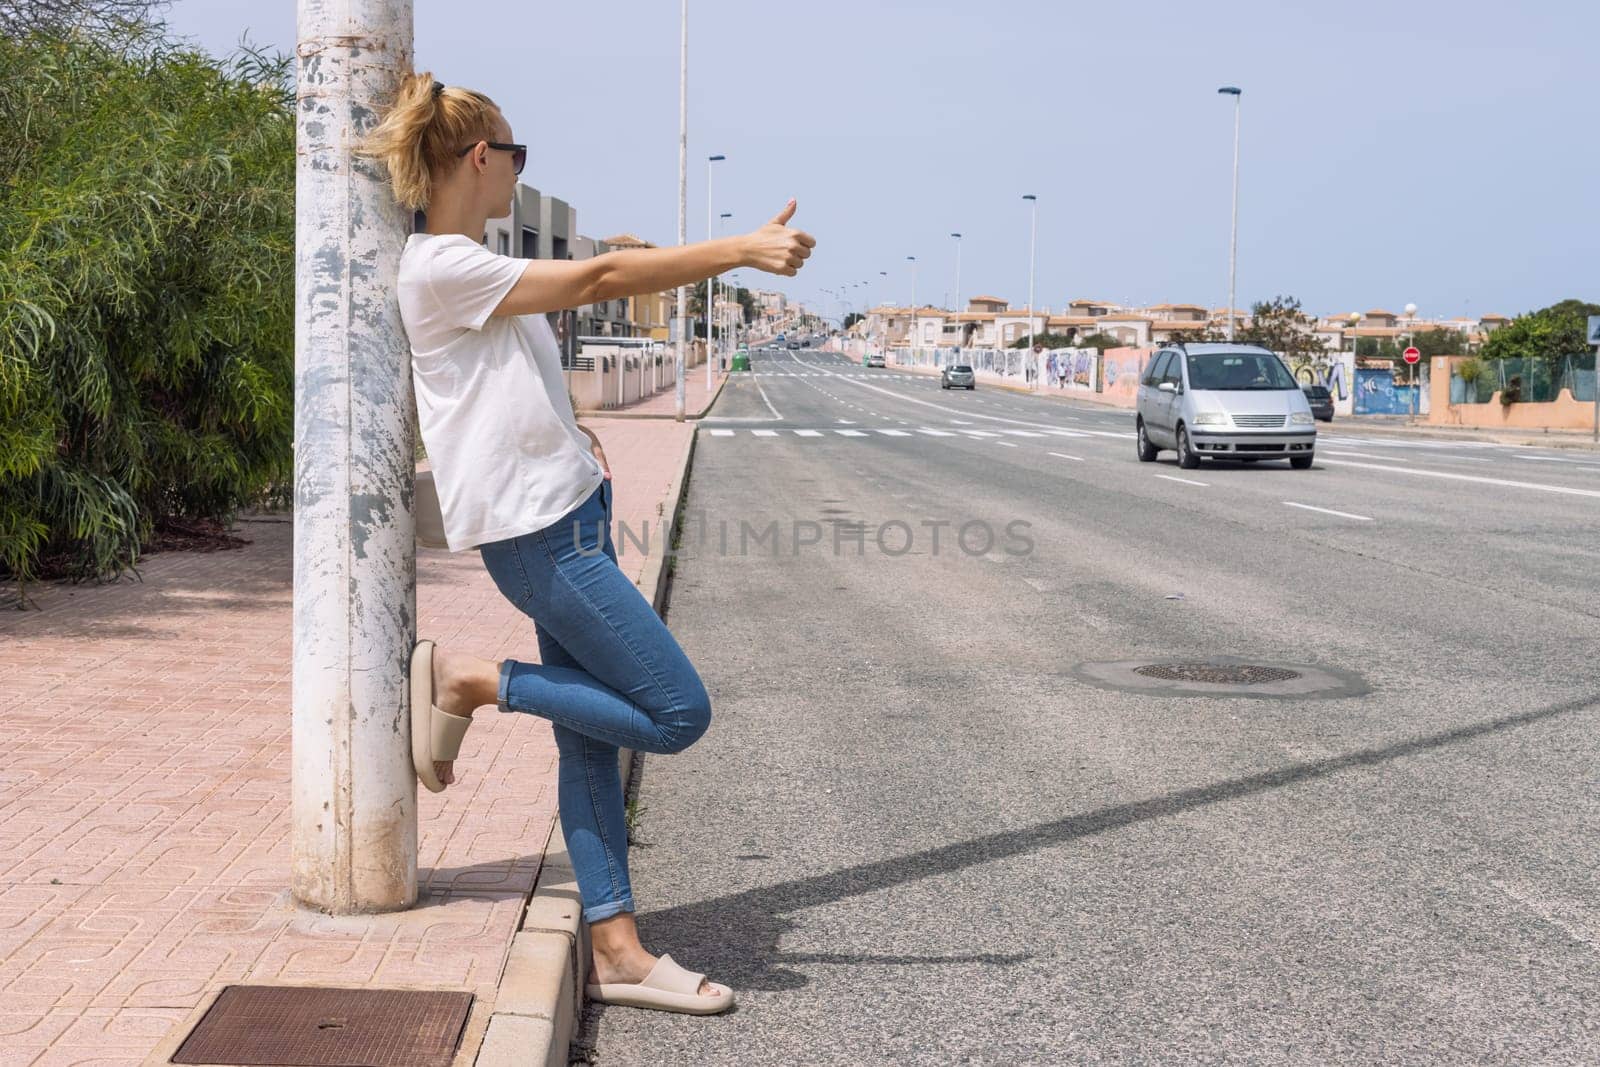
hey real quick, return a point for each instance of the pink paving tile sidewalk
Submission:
(144, 801)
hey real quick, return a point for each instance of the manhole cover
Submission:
(1217, 674)
(1216, 677)
(284, 1026)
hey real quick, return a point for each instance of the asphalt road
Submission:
(914, 835)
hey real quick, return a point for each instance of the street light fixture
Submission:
(1233, 244)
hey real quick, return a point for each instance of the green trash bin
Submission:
(741, 361)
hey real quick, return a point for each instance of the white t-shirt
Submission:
(506, 452)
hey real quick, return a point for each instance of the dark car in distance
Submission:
(1321, 401)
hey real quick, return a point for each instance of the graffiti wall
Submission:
(1377, 393)
(1337, 371)
(1071, 368)
(1120, 372)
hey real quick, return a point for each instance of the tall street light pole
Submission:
(722, 220)
(711, 281)
(913, 261)
(1233, 243)
(885, 324)
(1033, 241)
(683, 195)
(957, 236)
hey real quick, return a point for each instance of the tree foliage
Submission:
(1547, 334)
(1045, 340)
(1281, 326)
(19, 18)
(1099, 341)
(146, 292)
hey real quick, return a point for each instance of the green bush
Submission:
(146, 293)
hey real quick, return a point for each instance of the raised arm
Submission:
(552, 285)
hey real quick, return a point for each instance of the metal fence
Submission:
(1541, 380)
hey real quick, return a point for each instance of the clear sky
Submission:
(1442, 152)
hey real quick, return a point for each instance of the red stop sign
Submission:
(1411, 354)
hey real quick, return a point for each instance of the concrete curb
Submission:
(538, 1004)
(612, 413)
(1530, 438)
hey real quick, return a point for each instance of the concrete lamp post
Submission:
(722, 220)
(1033, 242)
(885, 325)
(1233, 241)
(913, 261)
(959, 338)
(352, 786)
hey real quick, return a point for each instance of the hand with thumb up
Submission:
(778, 249)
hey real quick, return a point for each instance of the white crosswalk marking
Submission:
(850, 433)
(765, 433)
(1023, 433)
(721, 433)
(936, 433)
(894, 433)
(979, 433)
(809, 433)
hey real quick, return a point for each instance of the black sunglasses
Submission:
(519, 153)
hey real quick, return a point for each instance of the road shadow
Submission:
(736, 937)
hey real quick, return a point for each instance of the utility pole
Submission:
(1033, 244)
(353, 791)
(683, 193)
(959, 339)
(1233, 240)
(711, 281)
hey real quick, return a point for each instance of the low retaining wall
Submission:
(1563, 413)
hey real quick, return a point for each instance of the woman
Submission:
(519, 480)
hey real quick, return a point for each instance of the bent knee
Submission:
(690, 721)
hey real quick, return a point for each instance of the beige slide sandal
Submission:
(435, 735)
(668, 987)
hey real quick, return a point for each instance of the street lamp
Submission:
(711, 281)
(1033, 241)
(1354, 319)
(683, 199)
(885, 276)
(1233, 244)
(957, 236)
(913, 261)
(722, 218)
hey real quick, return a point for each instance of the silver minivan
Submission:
(1225, 401)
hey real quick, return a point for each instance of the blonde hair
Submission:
(421, 134)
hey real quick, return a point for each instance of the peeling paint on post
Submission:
(354, 792)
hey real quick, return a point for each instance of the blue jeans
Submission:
(610, 674)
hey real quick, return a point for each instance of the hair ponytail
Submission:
(421, 134)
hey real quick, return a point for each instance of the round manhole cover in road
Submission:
(1217, 673)
(1222, 676)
